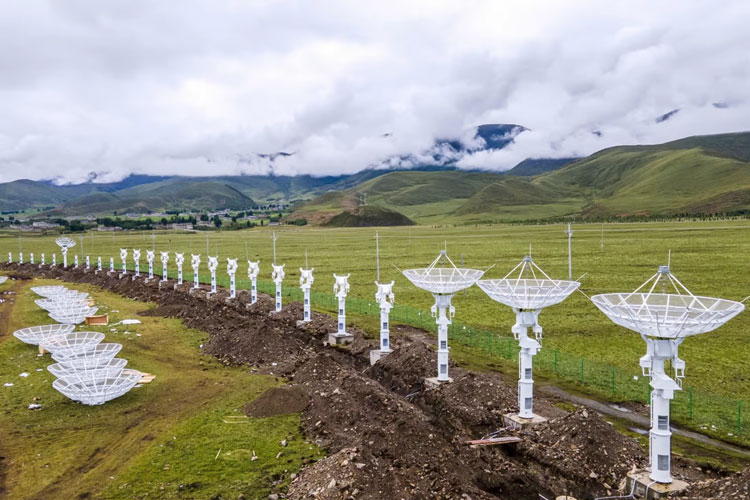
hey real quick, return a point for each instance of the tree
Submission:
(204, 217)
(164, 221)
(217, 221)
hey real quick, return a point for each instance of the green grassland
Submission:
(697, 175)
(181, 436)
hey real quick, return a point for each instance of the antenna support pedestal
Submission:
(526, 319)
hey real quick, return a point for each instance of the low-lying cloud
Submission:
(105, 89)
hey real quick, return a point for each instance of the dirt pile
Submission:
(278, 401)
(585, 449)
(736, 486)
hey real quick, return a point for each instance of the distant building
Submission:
(44, 225)
(185, 226)
(109, 229)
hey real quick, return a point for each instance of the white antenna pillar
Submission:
(20, 258)
(124, 259)
(164, 261)
(385, 299)
(31, 258)
(43, 262)
(213, 264)
(443, 311)
(10, 257)
(98, 264)
(232, 271)
(277, 276)
(569, 232)
(195, 263)
(88, 263)
(54, 260)
(179, 259)
(341, 289)
(150, 256)
(111, 264)
(306, 281)
(137, 260)
(75, 261)
(527, 289)
(253, 268)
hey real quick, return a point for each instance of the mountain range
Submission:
(695, 175)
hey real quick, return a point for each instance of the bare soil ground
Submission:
(386, 434)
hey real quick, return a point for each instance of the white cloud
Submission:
(121, 86)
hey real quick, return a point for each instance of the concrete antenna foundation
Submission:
(341, 289)
(664, 312)
(442, 283)
(527, 289)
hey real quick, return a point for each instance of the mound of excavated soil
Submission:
(736, 486)
(278, 401)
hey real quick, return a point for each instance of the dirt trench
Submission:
(386, 434)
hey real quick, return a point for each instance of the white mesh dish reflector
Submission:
(112, 368)
(46, 291)
(97, 391)
(442, 280)
(73, 315)
(65, 242)
(527, 286)
(73, 343)
(35, 334)
(650, 310)
(100, 354)
(3, 279)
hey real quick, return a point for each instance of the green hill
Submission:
(695, 175)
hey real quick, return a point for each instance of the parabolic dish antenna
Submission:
(527, 289)
(664, 312)
(664, 308)
(442, 283)
(47, 291)
(35, 334)
(64, 242)
(99, 354)
(75, 314)
(71, 344)
(109, 369)
(98, 391)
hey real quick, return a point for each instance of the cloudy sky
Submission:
(201, 87)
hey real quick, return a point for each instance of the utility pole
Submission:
(569, 232)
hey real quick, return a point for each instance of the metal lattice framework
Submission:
(102, 370)
(71, 344)
(64, 242)
(652, 311)
(527, 286)
(442, 280)
(97, 391)
(35, 334)
(75, 314)
(47, 291)
(99, 354)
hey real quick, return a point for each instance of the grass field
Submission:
(711, 258)
(168, 439)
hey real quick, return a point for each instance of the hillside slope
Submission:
(695, 175)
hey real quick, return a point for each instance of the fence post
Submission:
(690, 402)
(582, 369)
(739, 417)
(556, 372)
